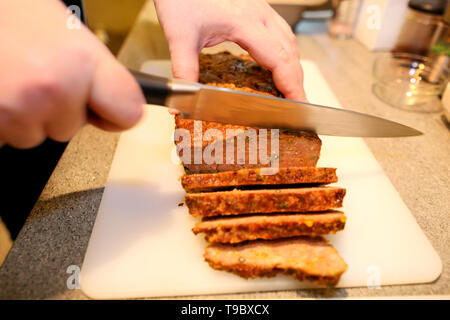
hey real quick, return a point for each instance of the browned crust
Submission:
(249, 177)
(237, 72)
(239, 229)
(311, 259)
(296, 148)
(264, 201)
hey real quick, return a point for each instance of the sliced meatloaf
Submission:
(311, 259)
(258, 177)
(234, 202)
(242, 228)
(296, 148)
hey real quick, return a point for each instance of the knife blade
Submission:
(201, 102)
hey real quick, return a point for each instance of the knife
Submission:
(201, 102)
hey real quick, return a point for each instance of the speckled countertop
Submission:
(57, 231)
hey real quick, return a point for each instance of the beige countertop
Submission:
(57, 231)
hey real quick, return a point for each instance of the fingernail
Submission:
(173, 111)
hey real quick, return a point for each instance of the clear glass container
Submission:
(401, 80)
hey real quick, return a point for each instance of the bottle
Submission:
(342, 24)
(439, 52)
(421, 23)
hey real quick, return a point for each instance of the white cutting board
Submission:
(142, 244)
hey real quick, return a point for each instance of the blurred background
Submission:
(111, 20)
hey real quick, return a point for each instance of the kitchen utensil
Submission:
(201, 102)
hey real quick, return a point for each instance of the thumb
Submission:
(115, 101)
(184, 55)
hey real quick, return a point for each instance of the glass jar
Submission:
(440, 48)
(421, 23)
(401, 81)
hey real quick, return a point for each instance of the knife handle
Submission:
(155, 89)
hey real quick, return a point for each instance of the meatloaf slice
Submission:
(311, 259)
(242, 228)
(234, 202)
(295, 148)
(253, 177)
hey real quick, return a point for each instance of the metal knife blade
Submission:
(201, 102)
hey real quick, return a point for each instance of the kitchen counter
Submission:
(56, 234)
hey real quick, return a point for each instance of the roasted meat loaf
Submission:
(305, 258)
(296, 148)
(261, 221)
(275, 226)
(258, 177)
(234, 202)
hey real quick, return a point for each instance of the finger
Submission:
(64, 127)
(68, 109)
(20, 127)
(66, 119)
(101, 123)
(303, 96)
(278, 26)
(292, 40)
(115, 96)
(184, 55)
(288, 41)
(22, 135)
(268, 51)
(173, 111)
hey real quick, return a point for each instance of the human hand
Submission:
(191, 25)
(50, 73)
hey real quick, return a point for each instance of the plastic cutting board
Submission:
(142, 244)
